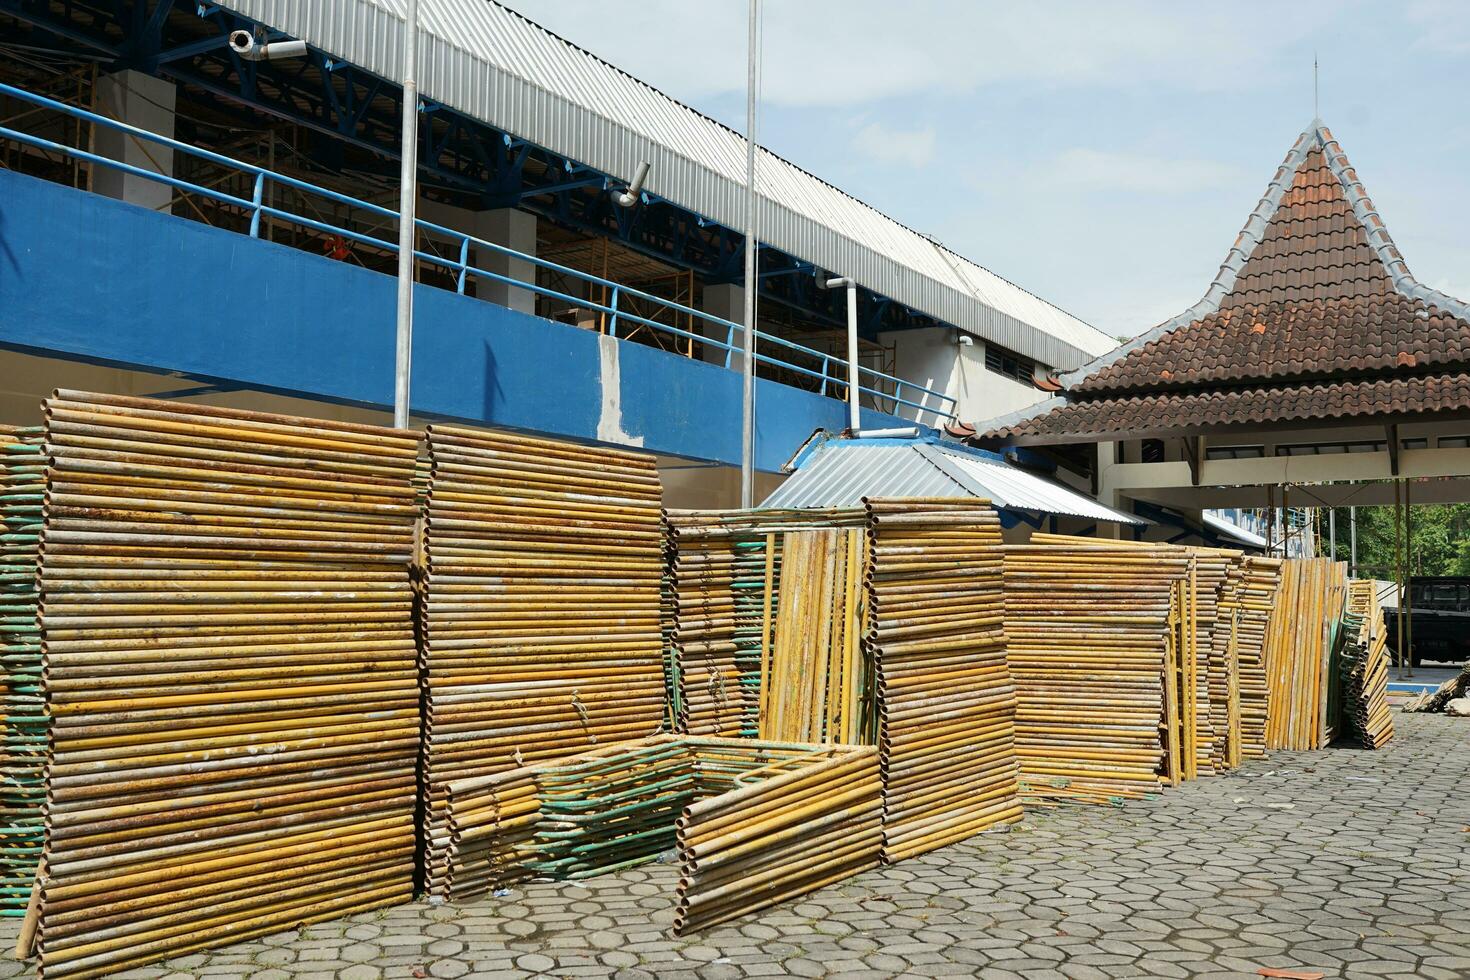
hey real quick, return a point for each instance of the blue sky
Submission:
(1102, 155)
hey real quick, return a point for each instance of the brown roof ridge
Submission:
(1315, 137)
(1125, 416)
(1406, 367)
(1240, 250)
(1370, 265)
(1308, 337)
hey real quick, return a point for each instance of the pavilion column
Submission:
(1107, 494)
(514, 229)
(727, 301)
(147, 102)
(504, 226)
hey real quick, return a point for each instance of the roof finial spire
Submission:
(1316, 113)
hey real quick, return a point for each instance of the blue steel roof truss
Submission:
(463, 157)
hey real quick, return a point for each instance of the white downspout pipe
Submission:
(904, 432)
(628, 198)
(853, 406)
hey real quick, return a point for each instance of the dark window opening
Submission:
(1234, 452)
(1015, 366)
(1330, 448)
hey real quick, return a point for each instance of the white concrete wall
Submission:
(932, 357)
(26, 380)
(148, 103)
(695, 486)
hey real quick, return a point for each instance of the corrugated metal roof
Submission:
(489, 62)
(1013, 488)
(1232, 530)
(841, 474)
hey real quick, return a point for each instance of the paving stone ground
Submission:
(1353, 863)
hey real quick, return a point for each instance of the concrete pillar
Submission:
(513, 229)
(505, 226)
(1107, 495)
(146, 102)
(725, 300)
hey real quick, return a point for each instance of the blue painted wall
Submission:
(88, 278)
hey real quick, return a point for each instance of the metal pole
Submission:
(1409, 575)
(1270, 520)
(1398, 572)
(407, 198)
(1332, 531)
(752, 244)
(853, 405)
(854, 420)
(1353, 539)
(1286, 520)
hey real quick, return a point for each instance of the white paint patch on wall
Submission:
(610, 422)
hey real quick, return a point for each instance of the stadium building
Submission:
(185, 218)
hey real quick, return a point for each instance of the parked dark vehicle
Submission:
(1440, 607)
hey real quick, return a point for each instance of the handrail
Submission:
(942, 406)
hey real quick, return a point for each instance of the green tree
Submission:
(1440, 542)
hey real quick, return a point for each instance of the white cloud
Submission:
(853, 52)
(1129, 316)
(1445, 25)
(1084, 169)
(1451, 287)
(912, 148)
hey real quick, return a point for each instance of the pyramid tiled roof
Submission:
(1313, 306)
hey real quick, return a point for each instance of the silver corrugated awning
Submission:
(491, 63)
(841, 473)
(1232, 530)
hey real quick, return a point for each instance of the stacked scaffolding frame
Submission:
(752, 822)
(1364, 667)
(1303, 635)
(946, 700)
(1256, 599)
(541, 613)
(1098, 635)
(226, 620)
(725, 573)
(22, 829)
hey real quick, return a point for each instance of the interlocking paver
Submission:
(1367, 876)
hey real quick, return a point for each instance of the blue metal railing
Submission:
(833, 374)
